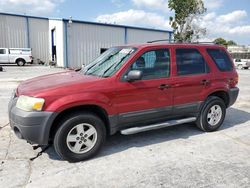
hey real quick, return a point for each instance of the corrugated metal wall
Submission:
(77, 43)
(141, 36)
(39, 38)
(13, 32)
(25, 32)
(86, 40)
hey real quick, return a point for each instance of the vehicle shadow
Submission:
(118, 143)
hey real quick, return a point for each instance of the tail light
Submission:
(233, 81)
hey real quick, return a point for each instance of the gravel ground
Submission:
(178, 156)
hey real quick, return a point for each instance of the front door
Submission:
(151, 97)
(4, 57)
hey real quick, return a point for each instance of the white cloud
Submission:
(231, 26)
(245, 29)
(34, 7)
(213, 4)
(209, 16)
(152, 4)
(163, 4)
(136, 18)
(234, 16)
(117, 3)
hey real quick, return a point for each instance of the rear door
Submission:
(150, 98)
(191, 80)
(4, 57)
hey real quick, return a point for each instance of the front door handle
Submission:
(163, 86)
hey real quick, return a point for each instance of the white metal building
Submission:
(69, 43)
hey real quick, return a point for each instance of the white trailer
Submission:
(20, 56)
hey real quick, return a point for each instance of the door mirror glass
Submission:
(134, 75)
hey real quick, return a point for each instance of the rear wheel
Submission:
(80, 137)
(212, 114)
(240, 66)
(20, 62)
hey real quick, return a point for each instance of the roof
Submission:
(89, 22)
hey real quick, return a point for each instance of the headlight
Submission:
(30, 103)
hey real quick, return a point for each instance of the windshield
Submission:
(109, 62)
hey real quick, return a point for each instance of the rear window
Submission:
(221, 59)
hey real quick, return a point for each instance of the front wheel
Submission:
(212, 114)
(80, 137)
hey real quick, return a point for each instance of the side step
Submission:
(135, 130)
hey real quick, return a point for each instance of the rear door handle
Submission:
(163, 86)
(205, 82)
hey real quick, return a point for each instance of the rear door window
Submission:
(190, 62)
(221, 59)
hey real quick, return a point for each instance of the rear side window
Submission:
(2, 51)
(221, 59)
(189, 62)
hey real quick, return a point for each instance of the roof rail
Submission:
(204, 42)
(161, 40)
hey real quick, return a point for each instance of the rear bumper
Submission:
(31, 126)
(233, 94)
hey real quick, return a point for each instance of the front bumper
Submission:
(31, 126)
(233, 94)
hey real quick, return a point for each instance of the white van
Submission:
(20, 56)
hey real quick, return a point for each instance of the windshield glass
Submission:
(109, 62)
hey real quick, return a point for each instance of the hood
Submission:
(52, 82)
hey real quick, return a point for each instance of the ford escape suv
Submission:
(129, 89)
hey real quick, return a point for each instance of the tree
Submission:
(231, 43)
(186, 18)
(224, 42)
(220, 41)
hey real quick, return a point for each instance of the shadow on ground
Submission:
(118, 143)
(15, 65)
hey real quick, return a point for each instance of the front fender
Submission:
(65, 102)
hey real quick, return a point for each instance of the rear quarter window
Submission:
(221, 59)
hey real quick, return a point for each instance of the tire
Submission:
(75, 128)
(20, 62)
(212, 114)
(240, 67)
(246, 67)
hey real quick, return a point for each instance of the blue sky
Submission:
(229, 19)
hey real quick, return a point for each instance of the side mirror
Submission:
(134, 75)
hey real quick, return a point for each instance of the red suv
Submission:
(128, 89)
